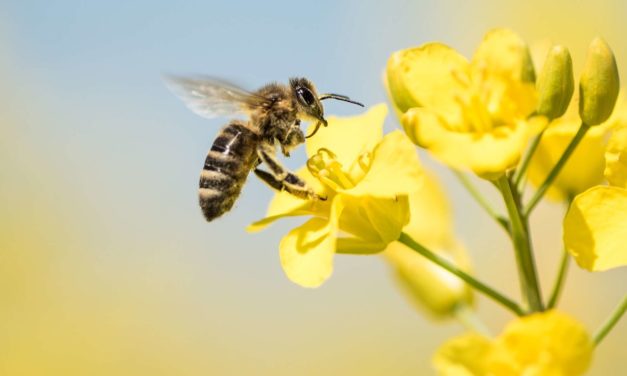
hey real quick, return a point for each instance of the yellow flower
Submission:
(468, 114)
(548, 343)
(432, 288)
(366, 179)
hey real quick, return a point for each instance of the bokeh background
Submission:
(106, 264)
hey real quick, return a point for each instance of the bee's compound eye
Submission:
(306, 96)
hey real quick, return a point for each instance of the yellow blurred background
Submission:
(106, 264)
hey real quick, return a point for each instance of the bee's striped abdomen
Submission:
(226, 167)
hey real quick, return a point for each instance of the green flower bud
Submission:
(599, 84)
(556, 83)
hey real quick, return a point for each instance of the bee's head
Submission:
(309, 102)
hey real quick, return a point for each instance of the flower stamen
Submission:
(324, 166)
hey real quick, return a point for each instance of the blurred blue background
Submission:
(107, 266)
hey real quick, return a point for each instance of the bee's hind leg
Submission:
(298, 190)
(281, 179)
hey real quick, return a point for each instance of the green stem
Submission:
(522, 247)
(563, 268)
(446, 264)
(559, 282)
(611, 321)
(520, 172)
(480, 199)
(556, 169)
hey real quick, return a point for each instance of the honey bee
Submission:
(274, 115)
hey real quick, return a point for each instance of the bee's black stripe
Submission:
(229, 145)
(216, 180)
(220, 145)
(234, 140)
(223, 163)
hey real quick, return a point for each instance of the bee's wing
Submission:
(210, 97)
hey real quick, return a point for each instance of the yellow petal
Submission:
(502, 63)
(427, 76)
(265, 222)
(395, 169)
(503, 52)
(616, 157)
(595, 228)
(584, 168)
(356, 222)
(488, 154)
(430, 287)
(387, 216)
(465, 355)
(356, 246)
(378, 220)
(307, 253)
(348, 137)
(430, 212)
(547, 342)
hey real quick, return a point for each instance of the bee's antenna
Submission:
(323, 122)
(339, 98)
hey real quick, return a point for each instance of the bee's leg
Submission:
(269, 179)
(300, 191)
(294, 137)
(281, 179)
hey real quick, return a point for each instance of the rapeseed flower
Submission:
(541, 344)
(366, 178)
(469, 114)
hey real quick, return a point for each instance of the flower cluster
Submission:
(492, 116)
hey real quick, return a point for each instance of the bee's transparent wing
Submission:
(210, 97)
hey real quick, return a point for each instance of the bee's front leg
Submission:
(293, 138)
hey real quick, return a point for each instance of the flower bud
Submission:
(599, 84)
(556, 83)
